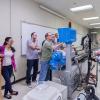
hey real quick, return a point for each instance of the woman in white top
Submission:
(7, 65)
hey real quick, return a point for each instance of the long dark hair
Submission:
(5, 43)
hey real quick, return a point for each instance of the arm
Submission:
(53, 47)
(56, 46)
(31, 45)
(13, 63)
(1, 55)
(37, 47)
(1, 52)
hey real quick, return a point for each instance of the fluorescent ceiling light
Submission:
(90, 18)
(96, 27)
(81, 8)
(94, 32)
(95, 24)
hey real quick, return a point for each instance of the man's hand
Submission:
(57, 46)
(38, 48)
(60, 44)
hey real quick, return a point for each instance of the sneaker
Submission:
(14, 93)
(8, 96)
(34, 84)
(34, 81)
(29, 85)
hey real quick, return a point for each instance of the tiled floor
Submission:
(23, 89)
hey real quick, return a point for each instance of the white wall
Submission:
(4, 18)
(26, 10)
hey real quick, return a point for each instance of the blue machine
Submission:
(57, 60)
(68, 36)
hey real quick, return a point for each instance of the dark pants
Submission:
(31, 64)
(49, 75)
(6, 73)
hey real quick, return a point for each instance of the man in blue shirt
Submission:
(32, 58)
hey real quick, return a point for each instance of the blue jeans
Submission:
(6, 73)
(44, 70)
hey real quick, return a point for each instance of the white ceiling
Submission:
(63, 6)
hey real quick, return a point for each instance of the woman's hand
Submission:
(15, 70)
(1, 55)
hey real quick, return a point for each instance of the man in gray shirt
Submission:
(32, 58)
(46, 53)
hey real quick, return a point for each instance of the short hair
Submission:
(46, 35)
(32, 33)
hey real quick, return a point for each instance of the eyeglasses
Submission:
(49, 34)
